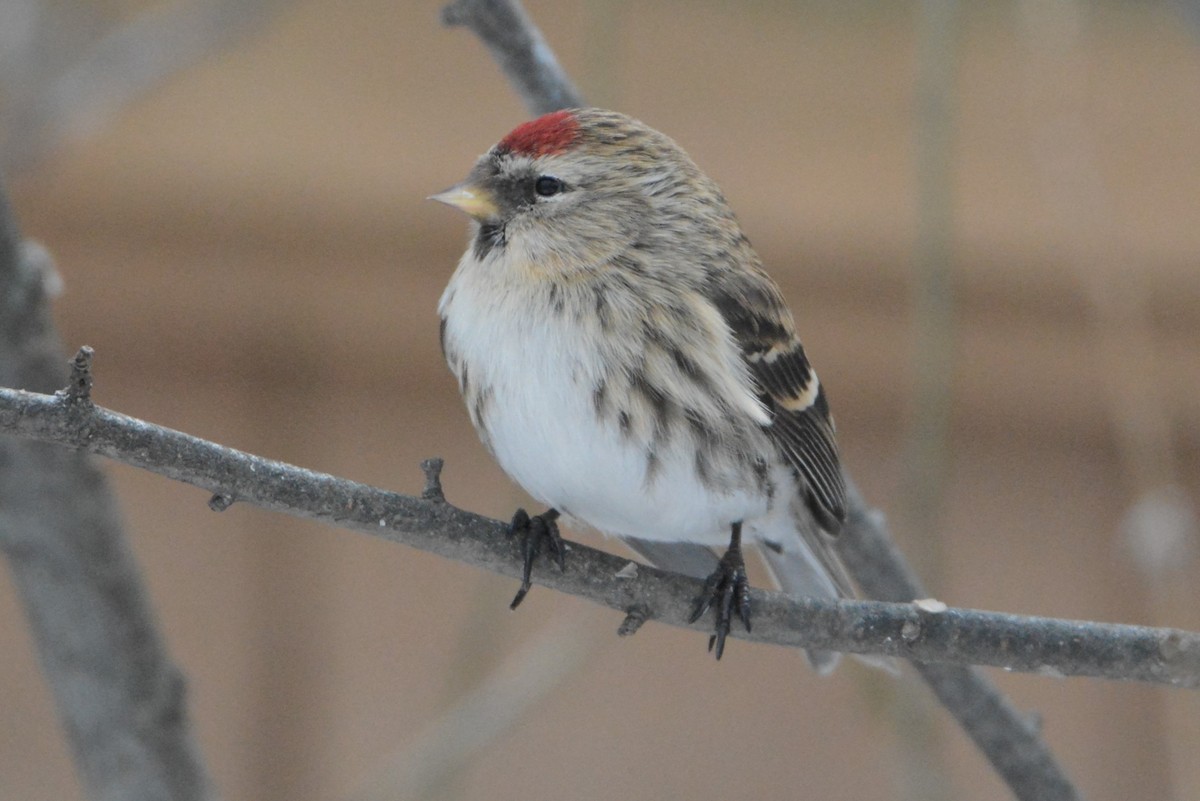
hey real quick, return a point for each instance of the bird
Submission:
(626, 359)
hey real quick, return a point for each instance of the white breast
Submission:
(540, 370)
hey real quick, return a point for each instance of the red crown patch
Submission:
(548, 134)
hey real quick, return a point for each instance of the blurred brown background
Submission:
(248, 249)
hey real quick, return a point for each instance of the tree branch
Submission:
(520, 50)
(924, 631)
(120, 697)
(121, 65)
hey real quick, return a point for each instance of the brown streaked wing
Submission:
(801, 427)
(806, 439)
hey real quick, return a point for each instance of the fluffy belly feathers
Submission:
(530, 386)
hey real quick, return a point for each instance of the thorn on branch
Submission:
(633, 621)
(79, 386)
(220, 501)
(432, 468)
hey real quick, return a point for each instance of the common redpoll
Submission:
(627, 361)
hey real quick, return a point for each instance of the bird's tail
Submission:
(808, 572)
(809, 567)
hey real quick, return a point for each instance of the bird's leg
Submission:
(535, 533)
(729, 588)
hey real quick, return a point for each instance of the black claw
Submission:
(728, 588)
(536, 533)
(720, 638)
(707, 595)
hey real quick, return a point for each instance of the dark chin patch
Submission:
(490, 237)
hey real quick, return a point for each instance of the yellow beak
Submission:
(469, 198)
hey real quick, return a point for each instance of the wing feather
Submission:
(801, 426)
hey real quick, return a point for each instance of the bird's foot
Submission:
(729, 589)
(535, 534)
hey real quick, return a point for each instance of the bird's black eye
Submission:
(547, 186)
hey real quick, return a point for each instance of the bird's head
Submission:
(573, 188)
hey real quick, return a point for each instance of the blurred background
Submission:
(986, 218)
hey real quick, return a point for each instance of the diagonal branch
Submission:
(1009, 740)
(520, 50)
(924, 631)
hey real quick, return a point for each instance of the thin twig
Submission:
(912, 631)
